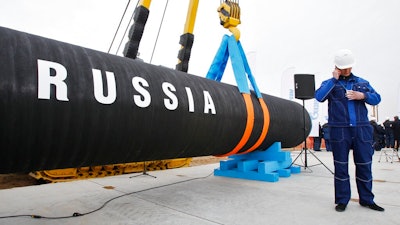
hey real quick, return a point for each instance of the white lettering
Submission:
(172, 102)
(98, 87)
(52, 73)
(208, 103)
(190, 99)
(45, 79)
(144, 99)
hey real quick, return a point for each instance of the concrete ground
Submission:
(193, 195)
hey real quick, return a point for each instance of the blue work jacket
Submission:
(343, 112)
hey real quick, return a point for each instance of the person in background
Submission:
(317, 140)
(347, 96)
(389, 138)
(379, 136)
(396, 132)
(326, 132)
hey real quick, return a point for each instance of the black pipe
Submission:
(58, 109)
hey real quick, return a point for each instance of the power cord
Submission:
(77, 214)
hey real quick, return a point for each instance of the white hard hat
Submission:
(344, 59)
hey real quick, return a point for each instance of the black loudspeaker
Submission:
(304, 86)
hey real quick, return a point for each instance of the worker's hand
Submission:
(336, 73)
(354, 95)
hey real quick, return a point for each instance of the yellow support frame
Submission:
(191, 16)
(187, 38)
(145, 3)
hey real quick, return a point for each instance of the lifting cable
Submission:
(127, 27)
(119, 25)
(158, 33)
(159, 29)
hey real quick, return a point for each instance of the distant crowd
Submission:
(386, 135)
(323, 133)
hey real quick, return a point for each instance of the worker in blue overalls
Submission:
(347, 95)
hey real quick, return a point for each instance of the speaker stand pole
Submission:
(305, 148)
(144, 172)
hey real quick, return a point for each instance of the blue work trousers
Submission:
(359, 139)
(389, 139)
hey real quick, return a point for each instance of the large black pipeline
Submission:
(64, 106)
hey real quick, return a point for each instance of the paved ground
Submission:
(194, 196)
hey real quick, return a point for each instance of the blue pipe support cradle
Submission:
(266, 165)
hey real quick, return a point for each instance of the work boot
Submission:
(373, 207)
(340, 207)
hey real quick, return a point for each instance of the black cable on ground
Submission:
(77, 214)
